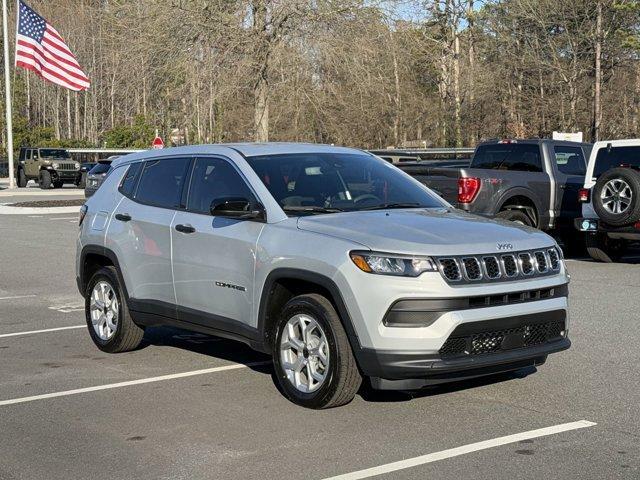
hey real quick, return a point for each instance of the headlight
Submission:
(77, 166)
(55, 165)
(390, 264)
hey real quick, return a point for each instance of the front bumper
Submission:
(487, 347)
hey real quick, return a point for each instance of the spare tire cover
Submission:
(616, 196)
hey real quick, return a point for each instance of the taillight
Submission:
(584, 195)
(83, 213)
(468, 188)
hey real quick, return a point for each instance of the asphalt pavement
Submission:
(189, 406)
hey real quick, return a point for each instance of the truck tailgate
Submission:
(442, 180)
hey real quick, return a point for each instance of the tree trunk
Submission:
(597, 107)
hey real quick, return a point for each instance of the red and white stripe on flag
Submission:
(40, 48)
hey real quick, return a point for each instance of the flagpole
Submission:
(7, 89)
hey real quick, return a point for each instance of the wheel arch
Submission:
(521, 199)
(283, 284)
(92, 258)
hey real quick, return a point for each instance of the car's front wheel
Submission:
(45, 180)
(110, 325)
(313, 360)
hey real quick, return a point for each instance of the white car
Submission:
(611, 199)
(333, 261)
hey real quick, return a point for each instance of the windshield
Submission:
(330, 182)
(614, 157)
(100, 168)
(54, 152)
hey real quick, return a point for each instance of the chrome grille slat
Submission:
(500, 267)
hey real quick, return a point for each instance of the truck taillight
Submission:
(584, 195)
(468, 188)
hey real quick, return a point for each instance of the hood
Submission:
(426, 231)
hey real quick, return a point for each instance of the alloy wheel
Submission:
(304, 353)
(104, 310)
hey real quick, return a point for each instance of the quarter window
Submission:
(161, 182)
(214, 179)
(130, 178)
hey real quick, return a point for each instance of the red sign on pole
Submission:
(157, 143)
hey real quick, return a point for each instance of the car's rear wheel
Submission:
(515, 216)
(22, 179)
(314, 363)
(45, 180)
(601, 248)
(108, 319)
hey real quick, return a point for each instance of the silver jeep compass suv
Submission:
(333, 261)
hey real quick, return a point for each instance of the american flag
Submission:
(39, 47)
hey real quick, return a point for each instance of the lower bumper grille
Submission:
(491, 341)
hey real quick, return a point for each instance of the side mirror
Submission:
(237, 207)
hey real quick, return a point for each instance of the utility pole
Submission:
(7, 91)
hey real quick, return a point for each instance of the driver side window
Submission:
(215, 179)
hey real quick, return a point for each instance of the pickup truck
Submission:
(530, 182)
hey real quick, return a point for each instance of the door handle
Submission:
(123, 217)
(185, 228)
(563, 186)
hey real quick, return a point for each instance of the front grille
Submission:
(450, 269)
(491, 267)
(525, 263)
(66, 166)
(493, 341)
(541, 261)
(472, 268)
(554, 259)
(508, 266)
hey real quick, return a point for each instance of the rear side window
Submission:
(570, 160)
(214, 179)
(517, 157)
(130, 179)
(161, 182)
(608, 158)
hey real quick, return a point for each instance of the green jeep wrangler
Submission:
(48, 167)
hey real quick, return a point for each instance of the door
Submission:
(570, 168)
(30, 167)
(214, 257)
(140, 232)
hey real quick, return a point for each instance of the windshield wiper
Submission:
(310, 209)
(386, 206)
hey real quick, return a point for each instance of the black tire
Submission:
(45, 180)
(58, 184)
(601, 248)
(22, 178)
(343, 378)
(516, 216)
(632, 213)
(128, 335)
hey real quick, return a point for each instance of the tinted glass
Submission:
(214, 179)
(130, 179)
(161, 182)
(54, 152)
(608, 158)
(570, 160)
(518, 157)
(100, 168)
(337, 181)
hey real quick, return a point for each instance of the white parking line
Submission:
(63, 218)
(46, 330)
(130, 383)
(15, 297)
(455, 452)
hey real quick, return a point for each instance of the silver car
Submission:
(333, 261)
